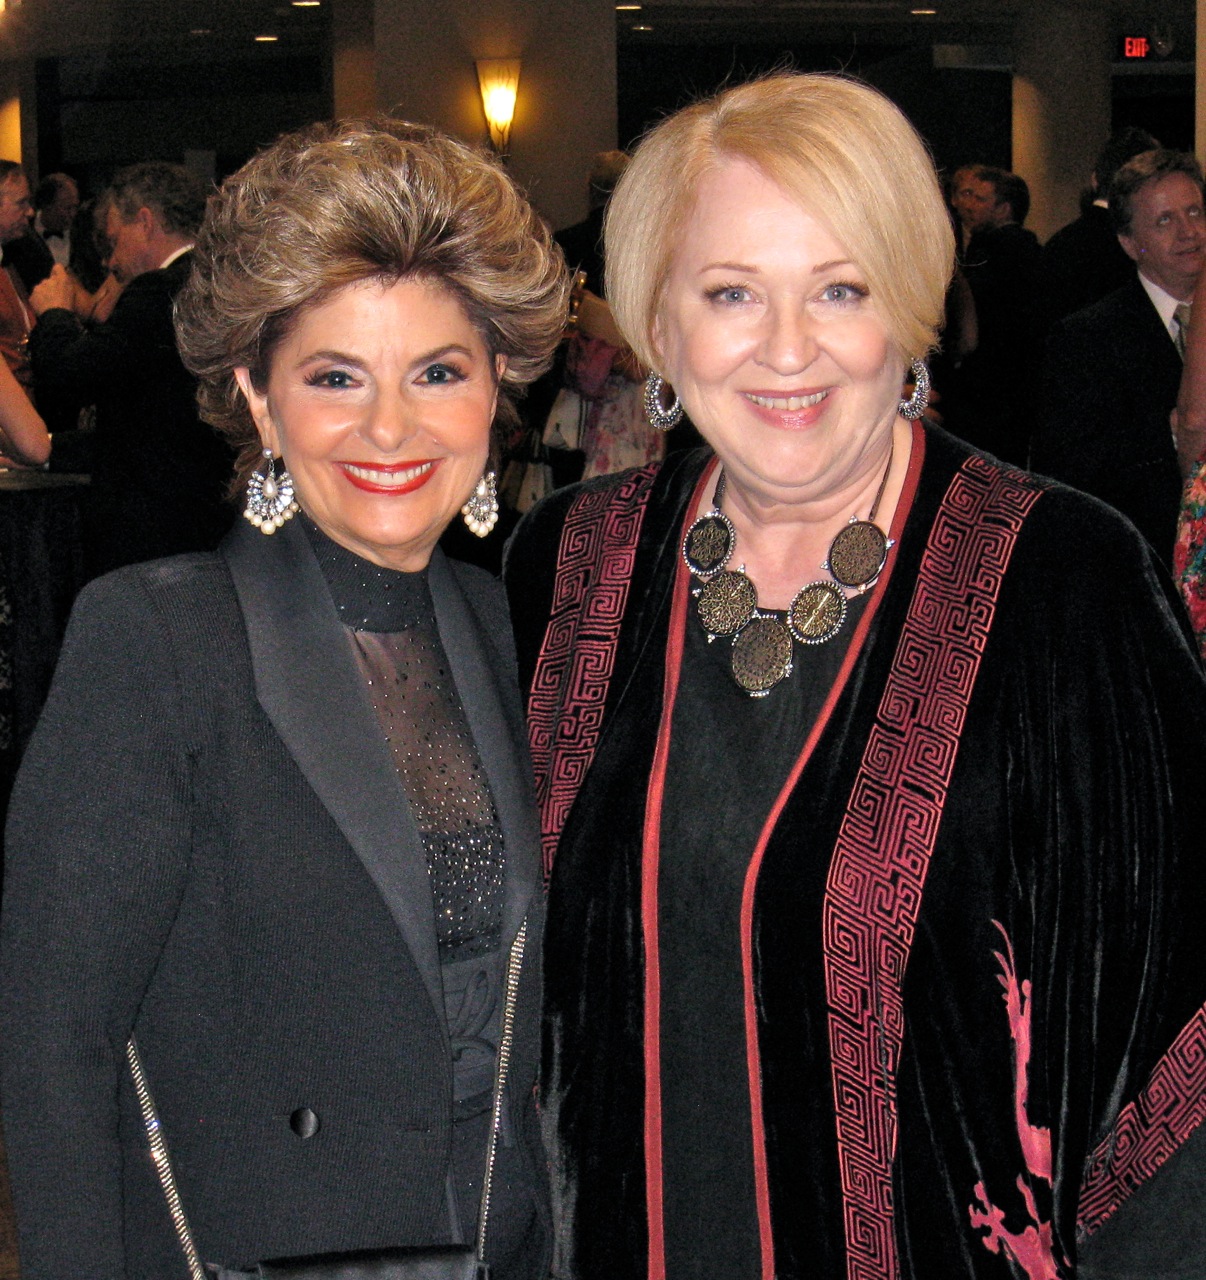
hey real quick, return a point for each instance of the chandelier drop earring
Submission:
(481, 511)
(270, 497)
(662, 419)
(915, 405)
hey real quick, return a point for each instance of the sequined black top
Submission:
(391, 625)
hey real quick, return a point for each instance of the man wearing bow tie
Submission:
(55, 203)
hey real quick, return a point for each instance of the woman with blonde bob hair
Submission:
(868, 815)
(273, 893)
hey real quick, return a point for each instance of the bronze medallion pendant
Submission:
(762, 655)
(817, 613)
(726, 603)
(858, 554)
(709, 544)
(727, 599)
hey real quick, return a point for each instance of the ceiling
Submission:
(205, 29)
(200, 28)
(961, 21)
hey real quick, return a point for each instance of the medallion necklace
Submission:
(726, 600)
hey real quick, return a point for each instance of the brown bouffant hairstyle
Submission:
(840, 148)
(335, 204)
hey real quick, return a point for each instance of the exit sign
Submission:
(1136, 46)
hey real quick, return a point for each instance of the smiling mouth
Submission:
(792, 404)
(388, 477)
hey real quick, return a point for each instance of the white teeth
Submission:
(789, 403)
(398, 478)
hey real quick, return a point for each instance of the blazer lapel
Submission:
(490, 696)
(308, 684)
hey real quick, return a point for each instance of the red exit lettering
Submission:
(1136, 47)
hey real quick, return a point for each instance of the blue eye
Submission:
(335, 379)
(843, 293)
(729, 294)
(438, 375)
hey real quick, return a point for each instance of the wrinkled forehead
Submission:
(1164, 195)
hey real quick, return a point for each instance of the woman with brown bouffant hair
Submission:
(273, 892)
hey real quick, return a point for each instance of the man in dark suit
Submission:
(1113, 369)
(1083, 261)
(56, 202)
(159, 473)
(1001, 264)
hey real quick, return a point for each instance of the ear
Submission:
(257, 406)
(1130, 248)
(146, 221)
(656, 336)
(500, 367)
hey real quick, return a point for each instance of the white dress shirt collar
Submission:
(1164, 303)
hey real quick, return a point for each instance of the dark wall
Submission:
(100, 112)
(963, 115)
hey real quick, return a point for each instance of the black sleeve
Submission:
(1108, 820)
(1073, 408)
(98, 843)
(83, 364)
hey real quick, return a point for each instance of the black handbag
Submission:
(445, 1262)
(453, 1263)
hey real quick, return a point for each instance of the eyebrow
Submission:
(344, 357)
(745, 268)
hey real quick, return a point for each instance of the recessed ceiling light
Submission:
(627, 8)
(266, 39)
(306, 4)
(923, 13)
(201, 31)
(642, 28)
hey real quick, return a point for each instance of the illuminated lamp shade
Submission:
(498, 79)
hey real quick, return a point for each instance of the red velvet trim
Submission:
(753, 1057)
(595, 561)
(878, 871)
(650, 859)
(1148, 1130)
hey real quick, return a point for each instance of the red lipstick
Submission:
(424, 468)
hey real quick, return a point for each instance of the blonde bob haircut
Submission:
(335, 204)
(840, 148)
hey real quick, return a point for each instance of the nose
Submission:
(1190, 228)
(390, 420)
(790, 343)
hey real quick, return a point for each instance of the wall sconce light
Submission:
(498, 79)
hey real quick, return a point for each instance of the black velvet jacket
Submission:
(209, 847)
(1053, 961)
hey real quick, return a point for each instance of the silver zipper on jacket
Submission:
(163, 1165)
(511, 994)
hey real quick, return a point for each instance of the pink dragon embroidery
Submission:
(1031, 1248)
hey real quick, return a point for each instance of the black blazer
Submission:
(209, 847)
(1082, 262)
(159, 474)
(1111, 380)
